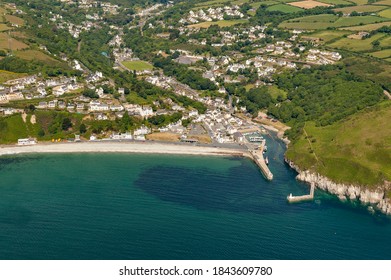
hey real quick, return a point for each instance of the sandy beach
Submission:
(120, 147)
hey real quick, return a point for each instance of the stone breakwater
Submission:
(375, 198)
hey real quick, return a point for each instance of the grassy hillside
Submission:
(6, 75)
(355, 150)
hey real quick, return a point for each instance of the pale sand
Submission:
(120, 147)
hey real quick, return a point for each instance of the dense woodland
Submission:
(187, 76)
(325, 95)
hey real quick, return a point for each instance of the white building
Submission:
(26, 141)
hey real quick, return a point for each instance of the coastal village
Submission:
(224, 122)
(195, 129)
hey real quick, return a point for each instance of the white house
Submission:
(142, 131)
(26, 141)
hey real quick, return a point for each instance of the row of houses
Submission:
(212, 14)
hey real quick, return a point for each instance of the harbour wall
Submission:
(376, 197)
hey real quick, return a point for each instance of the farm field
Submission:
(308, 4)
(137, 65)
(385, 13)
(284, 8)
(14, 20)
(351, 21)
(37, 55)
(256, 5)
(326, 21)
(267, 3)
(4, 27)
(383, 2)
(338, 2)
(386, 42)
(317, 18)
(367, 27)
(329, 35)
(382, 53)
(6, 41)
(361, 9)
(221, 23)
(310, 22)
(355, 150)
(359, 2)
(356, 44)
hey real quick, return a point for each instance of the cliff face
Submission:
(375, 197)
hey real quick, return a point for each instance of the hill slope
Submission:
(355, 150)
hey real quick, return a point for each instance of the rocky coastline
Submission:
(374, 199)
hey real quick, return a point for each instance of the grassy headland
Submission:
(355, 150)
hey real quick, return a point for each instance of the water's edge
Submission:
(344, 192)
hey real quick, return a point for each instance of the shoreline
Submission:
(121, 147)
(375, 197)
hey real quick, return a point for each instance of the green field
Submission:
(356, 45)
(310, 22)
(356, 150)
(360, 20)
(317, 18)
(382, 54)
(38, 55)
(284, 8)
(359, 2)
(137, 65)
(367, 27)
(338, 2)
(385, 13)
(12, 128)
(386, 42)
(329, 35)
(361, 9)
(221, 23)
(384, 2)
(256, 5)
(326, 21)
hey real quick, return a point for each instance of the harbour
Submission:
(307, 197)
(165, 206)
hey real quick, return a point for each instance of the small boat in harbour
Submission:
(267, 160)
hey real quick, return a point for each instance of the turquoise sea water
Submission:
(127, 206)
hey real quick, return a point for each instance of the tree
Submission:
(83, 128)
(66, 124)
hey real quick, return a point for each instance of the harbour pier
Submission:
(257, 155)
(292, 199)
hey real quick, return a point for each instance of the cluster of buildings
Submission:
(322, 57)
(31, 87)
(212, 14)
(89, 4)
